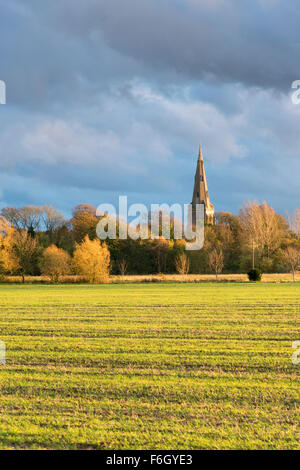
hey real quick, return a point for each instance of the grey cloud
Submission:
(254, 42)
(64, 52)
(112, 96)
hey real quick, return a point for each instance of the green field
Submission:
(150, 366)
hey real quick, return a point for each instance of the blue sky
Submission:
(113, 97)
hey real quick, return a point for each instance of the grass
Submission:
(149, 366)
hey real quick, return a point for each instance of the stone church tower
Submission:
(200, 195)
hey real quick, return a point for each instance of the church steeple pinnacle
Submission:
(200, 156)
(200, 194)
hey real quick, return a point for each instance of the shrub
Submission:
(92, 260)
(55, 263)
(254, 275)
(182, 264)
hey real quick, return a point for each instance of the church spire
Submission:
(200, 194)
(200, 157)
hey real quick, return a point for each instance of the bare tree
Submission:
(273, 225)
(52, 219)
(122, 265)
(12, 215)
(216, 261)
(31, 217)
(182, 264)
(26, 218)
(292, 259)
(294, 222)
(262, 227)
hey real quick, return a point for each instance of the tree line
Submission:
(38, 240)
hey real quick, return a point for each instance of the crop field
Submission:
(150, 366)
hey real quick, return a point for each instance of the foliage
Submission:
(82, 208)
(84, 224)
(138, 253)
(92, 260)
(258, 223)
(55, 263)
(27, 251)
(19, 251)
(254, 274)
(160, 248)
(8, 259)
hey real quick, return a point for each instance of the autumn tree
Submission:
(26, 250)
(84, 223)
(292, 259)
(81, 208)
(216, 261)
(294, 222)
(8, 259)
(55, 263)
(273, 229)
(229, 235)
(19, 251)
(263, 228)
(92, 260)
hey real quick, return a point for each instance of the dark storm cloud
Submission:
(255, 42)
(53, 51)
(107, 97)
